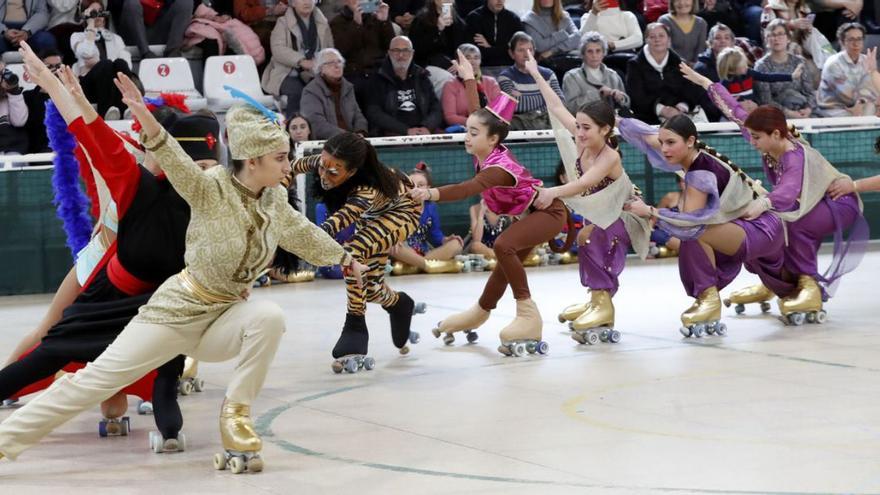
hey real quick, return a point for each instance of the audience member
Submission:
(531, 109)
(554, 34)
(455, 98)
(810, 42)
(796, 98)
(620, 30)
(35, 99)
(261, 16)
(490, 27)
(13, 114)
(328, 101)
(65, 18)
(140, 26)
(686, 29)
(24, 20)
(437, 31)
(403, 12)
(846, 87)
(363, 40)
(739, 79)
(593, 81)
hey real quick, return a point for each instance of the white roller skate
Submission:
(241, 443)
(757, 293)
(114, 427)
(145, 407)
(161, 445)
(804, 305)
(189, 382)
(523, 334)
(466, 321)
(704, 316)
(596, 324)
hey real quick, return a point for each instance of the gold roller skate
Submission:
(523, 334)
(401, 268)
(466, 321)
(757, 293)
(599, 315)
(567, 258)
(704, 316)
(805, 304)
(241, 443)
(443, 266)
(572, 311)
(189, 382)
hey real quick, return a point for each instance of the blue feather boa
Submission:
(71, 202)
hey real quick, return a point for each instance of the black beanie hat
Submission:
(198, 135)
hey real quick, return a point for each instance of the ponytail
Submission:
(700, 145)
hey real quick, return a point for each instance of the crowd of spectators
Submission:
(385, 68)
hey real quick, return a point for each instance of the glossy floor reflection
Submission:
(766, 409)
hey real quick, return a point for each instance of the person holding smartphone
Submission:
(437, 31)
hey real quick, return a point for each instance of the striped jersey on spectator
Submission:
(512, 80)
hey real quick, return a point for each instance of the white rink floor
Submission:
(767, 409)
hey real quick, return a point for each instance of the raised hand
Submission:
(693, 76)
(133, 98)
(39, 73)
(71, 82)
(464, 67)
(870, 62)
(532, 66)
(796, 74)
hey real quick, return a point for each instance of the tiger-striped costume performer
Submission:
(362, 191)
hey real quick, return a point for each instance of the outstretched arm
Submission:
(598, 171)
(44, 78)
(554, 103)
(719, 95)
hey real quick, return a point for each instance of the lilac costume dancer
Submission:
(805, 229)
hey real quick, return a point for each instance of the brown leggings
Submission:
(513, 245)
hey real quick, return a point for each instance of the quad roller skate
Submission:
(189, 382)
(10, 403)
(145, 407)
(401, 316)
(443, 266)
(568, 258)
(114, 427)
(538, 257)
(704, 316)
(241, 443)
(523, 334)
(597, 322)
(296, 277)
(401, 268)
(757, 293)
(804, 305)
(161, 445)
(350, 352)
(263, 280)
(572, 311)
(466, 321)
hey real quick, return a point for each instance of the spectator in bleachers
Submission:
(437, 31)
(655, 85)
(593, 81)
(555, 36)
(686, 28)
(847, 87)
(220, 34)
(100, 54)
(328, 101)
(13, 114)
(299, 129)
(720, 37)
(750, 12)
(490, 27)
(24, 20)
(403, 12)
(35, 99)
(363, 41)
(299, 34)
(64, 20)
(620, 30)
(739, 79)
(140, 27)
(796, 98)
(261, 16)
(465, 7)
(716, 12)
(798, 18)
(455, 100)
(531, 109)
(401, 99)
(831, 14)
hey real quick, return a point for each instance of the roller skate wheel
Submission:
(420, 308)
(519, 349)
(811, 317)
(578, 338)
(603, 335)
(237, 465)
(592, 338)
(404, 350)
(821, 316)
(370, 363)
(198, 384)
(181, 442)
(504, 349)
(255, 464)
(726, 303)
(796, 319)
(698, 330)
(739, 309)
(351, 366)
(571, 326)
(710, 329)
(102, 429)
(543, 347)
(532, 347)
(614, 336)
(170, 445)
(414, 337)
(220, 462)
(686, 331)
(471, 337)
(448, 339)
(765, 307)
(561, 319)
(185, 387)
(155, 443)
(145, 407)
(337, 367)
(436, 332)
(721, 329)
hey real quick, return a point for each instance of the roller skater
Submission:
(467, 322)
(804, 304)
(598, 191)
(704, 316)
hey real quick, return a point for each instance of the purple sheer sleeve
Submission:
(701, 180)
(636, 133)
(847, 253)
(789, 181)
(730, 107)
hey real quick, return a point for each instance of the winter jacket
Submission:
(647, 88)
(435, 47)
(578, 89)
(86, 50)
(497, 29)
(363, 45)
(203, 27)
(318, 108)
(286, 51)
(382, 101)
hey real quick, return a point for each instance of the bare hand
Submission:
(693, 76)
(709, 4)
(841, 187)
(803, 24)
(480, 41)
(357, 271)
(279, 8)
(799, 70)
(545, 55)
(306, 64)
(605, 91)
(382, 12)
(245, 294)
(638, 207)
(463, 67)
(619, 95)
(598, 6)
(544, 198)
(132, 98)
(420, 194)
(668, 112)
(748, 105)
(424, 131)
(456, 238)
(358, 15)
(71, 82)
(39, 73)
(858, 109)
(755, 209)
(870, 62)
(532, 66)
